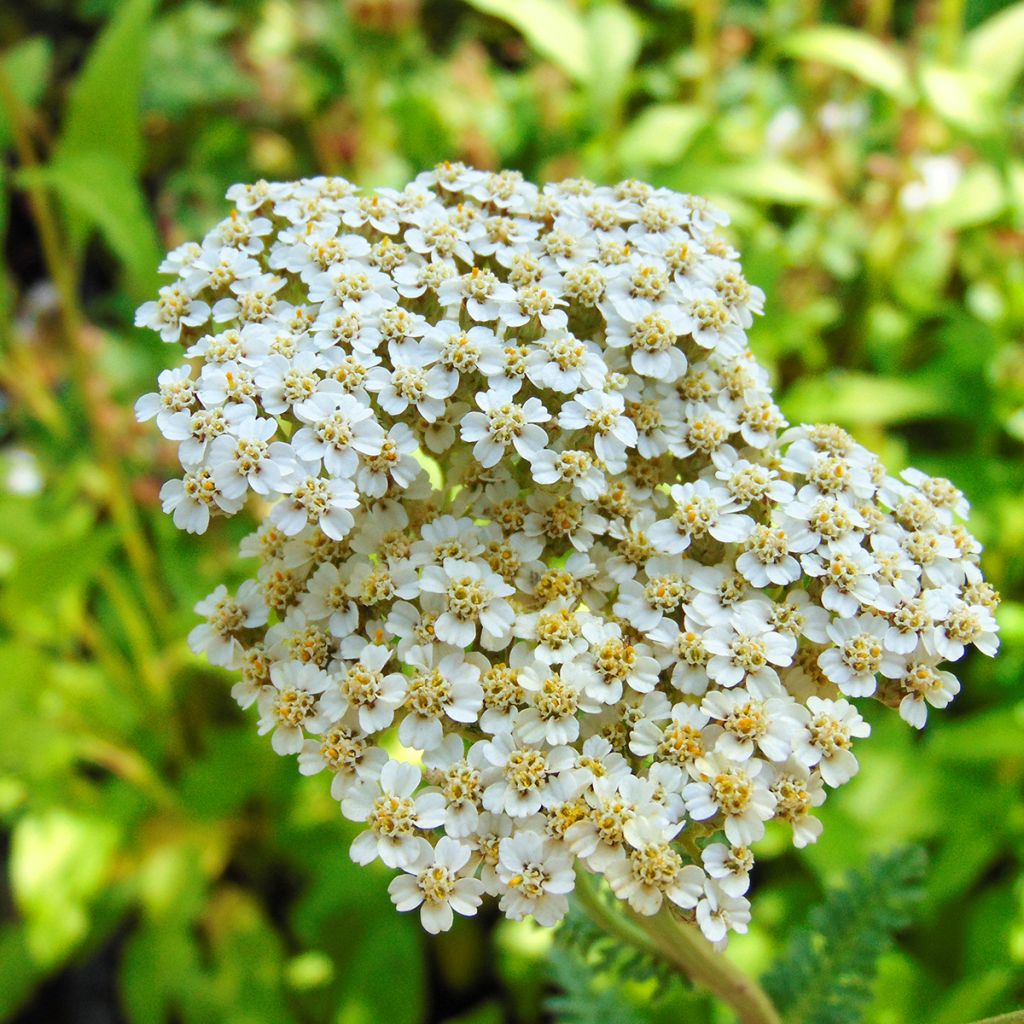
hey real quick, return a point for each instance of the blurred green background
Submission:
(161, 864)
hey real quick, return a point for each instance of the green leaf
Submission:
(28, 68)
(102, 112)
(995, 48)
(985, 737)
(828, 970)
(43, 573)
(978, 198)
(551, 27)
(856, 53)
(100, 191)
(59, 862)
(19, 973)
(964, 98)
(862, 399)
(614, 45)
(384, 980)
(578, 1001)
(767, 180)
(661, 134)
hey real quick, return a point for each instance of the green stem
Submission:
(609, 920)
(686, 949)
(682, 946)
(60, 268)
(1013, 1017)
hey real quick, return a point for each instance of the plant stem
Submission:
(1013, 1017)
(60, 268)
(683, 947)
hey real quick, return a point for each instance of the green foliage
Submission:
(605, 955)
(873, 165)
(578, 1001)
(828, 970)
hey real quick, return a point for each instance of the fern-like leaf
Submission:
(827, 973)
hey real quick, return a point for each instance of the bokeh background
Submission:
(161, 864)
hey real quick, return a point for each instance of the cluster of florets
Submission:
(545, 583)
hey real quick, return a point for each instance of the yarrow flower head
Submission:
(545, 582)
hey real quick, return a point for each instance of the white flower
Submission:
(797, 790)
(750, 723)
(502, 423)
(604, 415)
(473, 596)
(923, 684)
(291, 705)
(767, 559)
(531, 777)
(177, 394)
(530, 511)
(747, 649)
(700, 510)
(364, 687)
(174, 310)
(680, 741)
(347, 753)
(831, 726)
(537, 876)
(729, 866)
(393, 466)
(737, 792)
(718, 913)
(442, 686)
(246, 458)
(412, 381)
(555, 695)
(652, 870)
(316, 501)
(859, 653)
(340, 429)
(394, 815)
(644, 605)
(439, 881)
(191, 500)
(651, 332)
(226, 617)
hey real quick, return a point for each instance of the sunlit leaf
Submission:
(767, 180)
(59, 861)
(856, 53)
(963, 97)
(661, 134)
(614, 45)
(995, 48)
(860, 399)
(551, 27)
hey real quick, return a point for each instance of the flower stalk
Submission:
(683, 948)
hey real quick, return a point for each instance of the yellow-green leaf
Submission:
(661, 134)
(963, 97)
(996, 47)
(551, 27)
(856, 53)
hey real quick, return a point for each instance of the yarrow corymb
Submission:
(545, 582)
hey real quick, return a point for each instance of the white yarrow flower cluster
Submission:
(533, 518)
